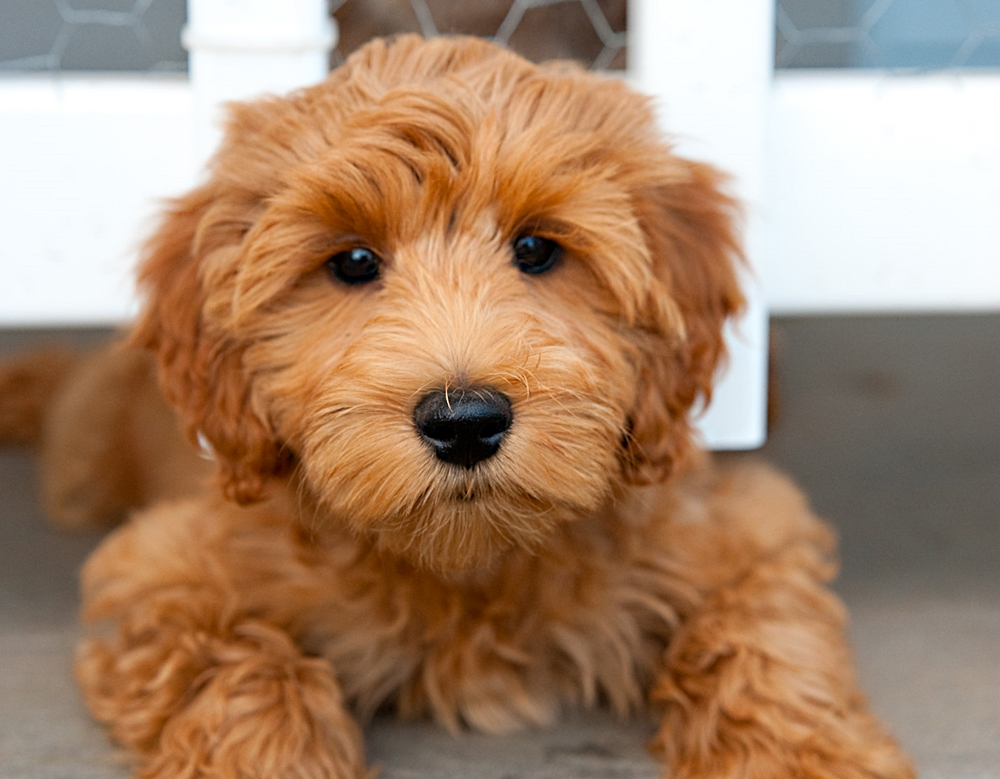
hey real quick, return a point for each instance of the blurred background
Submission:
(144, 35)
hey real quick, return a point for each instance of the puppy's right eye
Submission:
(534, 254)
(359, 265)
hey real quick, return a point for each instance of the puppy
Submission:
(441, 321)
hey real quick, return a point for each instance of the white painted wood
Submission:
(83, 164)
(883, 192)
(709, 66)
(241, 49)
(86, 160)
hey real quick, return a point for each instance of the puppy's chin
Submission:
(461, 534)
(448, 520)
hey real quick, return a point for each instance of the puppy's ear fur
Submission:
(689, 225)
(200, 365)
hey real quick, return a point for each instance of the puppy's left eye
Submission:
(354, 266)
(534, 254)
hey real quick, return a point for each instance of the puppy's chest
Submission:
(576, 628)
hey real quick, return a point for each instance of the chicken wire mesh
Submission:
(144, 35)
(909, 34)
(589, 31)
(123, 35)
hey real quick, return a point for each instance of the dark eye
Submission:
(533, 254)
(354, 266)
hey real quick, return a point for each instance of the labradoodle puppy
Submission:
(440, 322)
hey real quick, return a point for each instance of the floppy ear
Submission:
(689, 226)
(200, 364)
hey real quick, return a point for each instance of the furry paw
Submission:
(237, 706)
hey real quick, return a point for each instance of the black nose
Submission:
(463, 426)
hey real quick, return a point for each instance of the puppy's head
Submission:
(458, 297)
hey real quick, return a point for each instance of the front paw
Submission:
(727, 747)
(246, 705)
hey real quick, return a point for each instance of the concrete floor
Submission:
(891, 424)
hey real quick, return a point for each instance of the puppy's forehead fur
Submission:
(416, 138)
(437, 96)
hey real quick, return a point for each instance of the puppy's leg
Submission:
(110, 444)
(759, 681)
(28, 383)
(191, 682)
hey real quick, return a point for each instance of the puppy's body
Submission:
(624, 606)
(442, 320)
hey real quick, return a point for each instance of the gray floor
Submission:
(892, 425)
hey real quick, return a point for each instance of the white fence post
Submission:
(709, 65)
(243, 48)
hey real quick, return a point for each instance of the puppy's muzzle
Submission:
(464, 426)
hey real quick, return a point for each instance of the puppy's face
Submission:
(456, 296)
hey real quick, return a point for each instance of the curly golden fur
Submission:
(341, 565)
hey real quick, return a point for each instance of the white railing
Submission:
(709, 65)
(241, 48)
